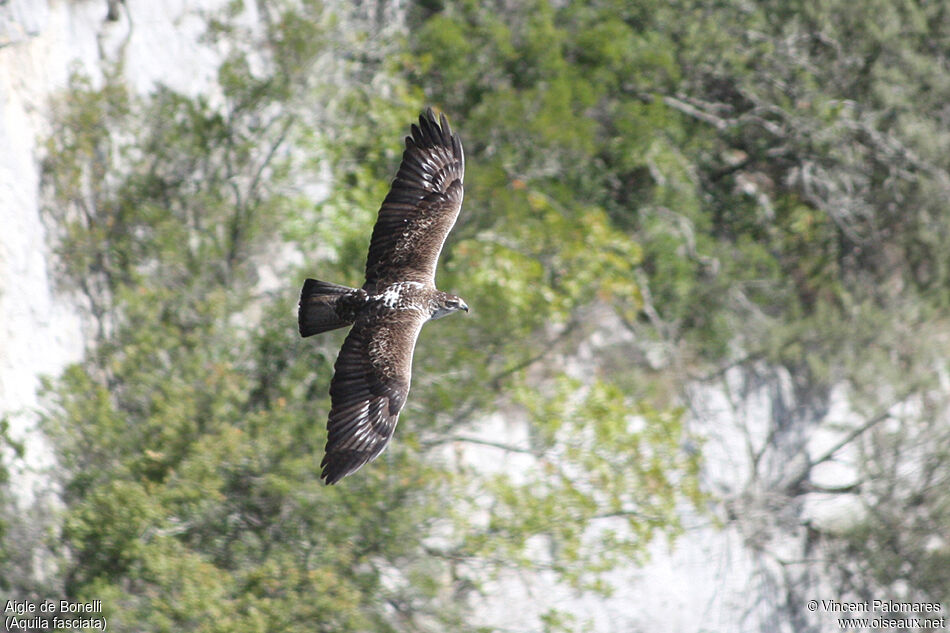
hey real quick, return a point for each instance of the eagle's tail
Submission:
(317, 312)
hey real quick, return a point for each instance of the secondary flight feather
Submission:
(374, 368)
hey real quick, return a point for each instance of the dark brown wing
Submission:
(369, 387)
(421, 207)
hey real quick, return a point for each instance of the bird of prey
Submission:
(372, 373)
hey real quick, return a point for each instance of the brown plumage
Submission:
(373, 371)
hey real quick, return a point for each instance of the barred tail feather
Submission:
(317, 312)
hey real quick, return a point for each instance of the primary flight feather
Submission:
(373, 371)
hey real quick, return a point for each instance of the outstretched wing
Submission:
(421, 207)
(368, 390)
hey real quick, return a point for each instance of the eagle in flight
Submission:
(372, 373)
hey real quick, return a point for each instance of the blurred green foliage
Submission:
(654, 192)
(189, 438)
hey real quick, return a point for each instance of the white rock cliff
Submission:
(41, 43)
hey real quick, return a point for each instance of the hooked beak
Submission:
(463, 305)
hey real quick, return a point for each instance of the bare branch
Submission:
(717, 122)
(499, 445)
(864, 428)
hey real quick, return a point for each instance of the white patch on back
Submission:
(393, 296)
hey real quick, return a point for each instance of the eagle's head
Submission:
(444, 303)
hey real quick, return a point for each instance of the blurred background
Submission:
(704, 377)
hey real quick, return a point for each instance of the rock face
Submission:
(41, 43)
